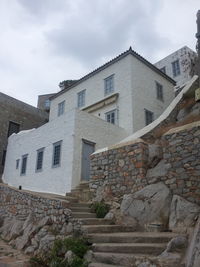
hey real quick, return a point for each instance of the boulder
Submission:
(193, 255)
(183, 214)
(148, 205)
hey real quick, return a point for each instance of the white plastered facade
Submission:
(70, 128)
(135, 84)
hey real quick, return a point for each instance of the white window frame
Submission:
(57, 164)
(109, 85)
(159, 91)
(37, 160)
(24, 167)
(81, 98)
(109, 113)
(147, 113)
(61, 108)
(176, 68)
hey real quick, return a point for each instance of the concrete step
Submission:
(71, 199)
(80, 209)
(144, 248)
(133, 237)
(83, 215)
(107, 228)
(96, 264)
(95, 221)
(118, 259)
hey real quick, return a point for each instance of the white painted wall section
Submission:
(53, 180)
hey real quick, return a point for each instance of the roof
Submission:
(130, 51)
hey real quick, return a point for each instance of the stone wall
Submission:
(120, 170)
(20, 204)
(125, 169)
(182, 155)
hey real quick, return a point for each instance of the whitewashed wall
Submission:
(135, 83)
(144, 93)
(95, 130)
(183, 55)
(54, 180)
(95, 92)
(70, 128)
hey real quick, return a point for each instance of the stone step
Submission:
(96, 264)
(71, 199)
(83, 215)
(119, 259)
(95, 221)
(134, 237)
(144, 248)
(80, 209)
(81, 204)
(107, 228)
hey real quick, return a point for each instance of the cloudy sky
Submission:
(43, 42)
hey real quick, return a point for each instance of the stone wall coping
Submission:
(132, 142)
(183, 128)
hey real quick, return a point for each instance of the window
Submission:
(17, 164)
(24, 164)
(13, 128)
(39, 161)
(163, 69)
(148, 117)
(56, 154)
(81, 99)
(61, 108)
(47, 103)
(109, 85)
(111, 116)
(176, 68)
(159, 91)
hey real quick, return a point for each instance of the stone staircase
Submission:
(117, 245)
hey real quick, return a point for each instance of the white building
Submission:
(121, 96)
(178, 65)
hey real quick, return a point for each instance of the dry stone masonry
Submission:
(19, 203)
(131, 167)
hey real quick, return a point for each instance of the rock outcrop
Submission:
(183, 214)
(151, 204)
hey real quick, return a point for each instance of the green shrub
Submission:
(55, 258)
(100, 208)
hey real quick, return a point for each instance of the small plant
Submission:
(56, 257)
(100, 208)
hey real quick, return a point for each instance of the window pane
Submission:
(24, 163)
(112, 116)
(56, 154)
(61, 107)
(13, 128)
(40, 154)
(109, 85)
(148, 117)
(176, 68)
(81, 99)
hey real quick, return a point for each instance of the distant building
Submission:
(44, 102)
(103, 107)
(16, 116)
(178, 65)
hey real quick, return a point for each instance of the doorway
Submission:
(87, 149)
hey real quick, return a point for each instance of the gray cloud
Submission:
(100, 30)
(45, 41)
